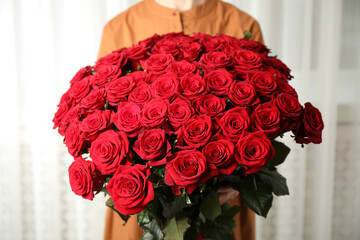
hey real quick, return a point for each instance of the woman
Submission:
(188, 16)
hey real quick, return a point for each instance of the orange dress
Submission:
(143, 20)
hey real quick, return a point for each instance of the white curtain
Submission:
(43, 43)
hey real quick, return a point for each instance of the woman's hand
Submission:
(226, 193)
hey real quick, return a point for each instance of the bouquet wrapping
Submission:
(162, 125)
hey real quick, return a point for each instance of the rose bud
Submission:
(84, 178)
(309, 128)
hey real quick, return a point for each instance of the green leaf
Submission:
(155, 230)
(176, 228)
(274, 181)
(172, 204)
(210, 206)
(111, 205)
(144, 217)
(247, 34)
(259, 200)
(147, 236)
(281, 152)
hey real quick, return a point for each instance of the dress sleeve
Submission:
(256, 32)
(107, 44)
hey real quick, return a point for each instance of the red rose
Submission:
(83, 72)
(141, 95)
(71, 115)
(246, 61)
(211, 44)
(289, 106)
(253, 151)
(128, 119)
(104, 74)
(220, 153)
(234, 122)
(108, 151)
(279, 65)
(165, 86)
(149, 42)
(266, 118)
(218, 82)
(215, 60)
(139, 76)
(210, 105)
(179, 113)
(310, 127)
(135, 54)
(154, 113)
(187, 169)
(84, 178)
(243, 94)
(283, 86)
(165, 46)
(191, 86)
(117, 90)
(157, 63)
(253, 46)
(181, 68)
(116, 58)
(80, 89)
(63, 108)
(196, 132)
(73, 140)
(265, 84)
(152, 145)
(190, 51)
(130, 190)
(95, 123)
(94, 100)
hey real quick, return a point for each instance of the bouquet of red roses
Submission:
(162, 125)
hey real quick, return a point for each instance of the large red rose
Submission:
(109, 151)
(309, 128)
(187, 169)
(165, 46)
(152, 145)
(83, 72)
(234, 122)
(94, 100)
(85, 178)
(289, 106)
(154, 113)
(246, 61)
(266, 118)
(180, 68)
(179, 113)
(73, 139)
(220, 153)
(141, 95)
(80, 89)
(95, 123)
(128, 119)
(265, 84)
(196, 132)
(104, 74)
(191, 86)
(243, 94)
(116, 58)
(157, 63)
(218, 82)
(118, 89)
(190, 51)
(130, 190)
(215, 60)
(253, 151)
(210, 105)
(165, 86)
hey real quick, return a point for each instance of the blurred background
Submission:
(42, 45)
